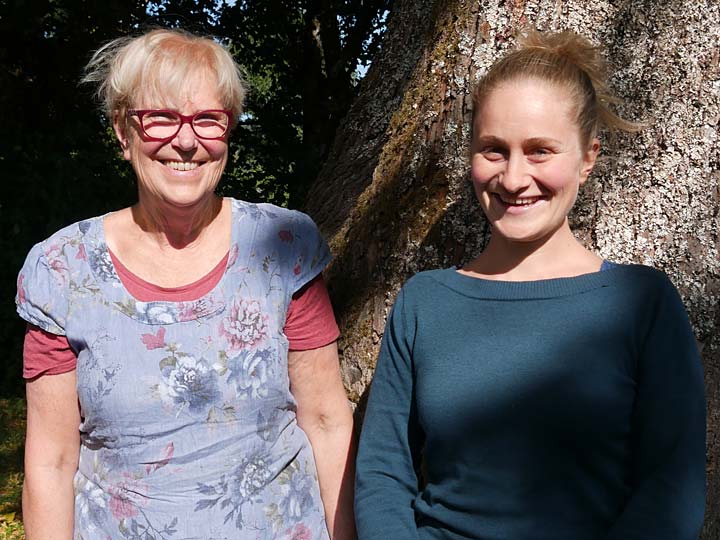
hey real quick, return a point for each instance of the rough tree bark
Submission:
(394, 197)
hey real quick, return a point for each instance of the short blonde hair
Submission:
(157, 63)
(569, 61)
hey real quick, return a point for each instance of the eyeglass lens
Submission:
(165, 124)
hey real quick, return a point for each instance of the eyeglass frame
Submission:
(184, 119)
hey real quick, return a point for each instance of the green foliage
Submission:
(11, 528)
(57, 159)
(12, 436)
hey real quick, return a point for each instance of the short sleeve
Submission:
(310, 321)
(41, 296)
(310, 251)
(46, 354)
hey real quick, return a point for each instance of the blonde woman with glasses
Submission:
(180, 357)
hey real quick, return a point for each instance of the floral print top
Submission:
(188, 427)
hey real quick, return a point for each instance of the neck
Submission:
(174, 226)
(558, 255)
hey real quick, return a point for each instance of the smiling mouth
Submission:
(517, 201)
(182, 165)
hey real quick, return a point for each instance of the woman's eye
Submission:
(541, 152)
(492, 154)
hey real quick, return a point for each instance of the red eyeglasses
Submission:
(164, 124)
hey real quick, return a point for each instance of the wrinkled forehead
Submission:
(172, 88)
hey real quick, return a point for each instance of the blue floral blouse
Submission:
(188, 427)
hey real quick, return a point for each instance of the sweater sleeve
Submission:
(388, 455)
(667, 501)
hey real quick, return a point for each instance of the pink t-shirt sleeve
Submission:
(310, 321)
(46, 354)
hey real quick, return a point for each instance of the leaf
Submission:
(206, 489)
(168, 361)
(229, 413)
(205, 503)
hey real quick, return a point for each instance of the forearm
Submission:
(48, 502)
(52, 450)
(334, 447)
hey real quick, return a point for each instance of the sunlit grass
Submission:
(11, 528)
(12, 436)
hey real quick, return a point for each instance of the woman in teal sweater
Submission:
(543, 392)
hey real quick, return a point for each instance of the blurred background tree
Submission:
(303, 60)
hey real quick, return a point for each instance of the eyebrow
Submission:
(539, 141)
(492, 140)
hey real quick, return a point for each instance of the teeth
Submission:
(527, 201)
(182, 165)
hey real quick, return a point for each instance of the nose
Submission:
(515, 177)
(185, 139)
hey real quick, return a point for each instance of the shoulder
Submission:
(425, 289)
(285, 224)
(43, 285)
(643, 280)
(62, 247)
(281, 224)
(647, 294)
(269, 213)
(427, 279)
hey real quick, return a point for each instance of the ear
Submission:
(589, 159)
(122, 133)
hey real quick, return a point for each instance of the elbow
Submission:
(340, 420)
(46, 464)
(328, 423)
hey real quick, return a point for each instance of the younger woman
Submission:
(544, 393)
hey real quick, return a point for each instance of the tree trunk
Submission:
(394, 197)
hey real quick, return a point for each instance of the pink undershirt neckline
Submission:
(144, 291)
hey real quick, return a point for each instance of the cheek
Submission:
(218, 150)
(481, 174)
(137, 149)
(480, 171)
(559, 176)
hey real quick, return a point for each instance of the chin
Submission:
(523, 235)
(179, 198)
(187, 201)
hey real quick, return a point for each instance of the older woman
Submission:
(544, 392)
(181, 366)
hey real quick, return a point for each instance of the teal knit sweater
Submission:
(563, 409)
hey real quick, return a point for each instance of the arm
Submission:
(391, 441)
(668, 462)
(324, 414)
(52, 446)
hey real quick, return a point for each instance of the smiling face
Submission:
(185, 170)
(527, 159)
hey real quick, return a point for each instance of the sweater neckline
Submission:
(476, 287)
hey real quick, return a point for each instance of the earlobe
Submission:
(589, 159)
(121, 134)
